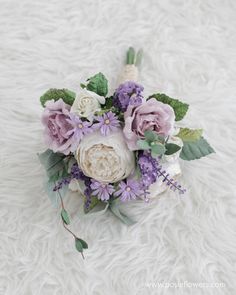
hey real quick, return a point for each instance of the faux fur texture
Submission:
(190, 53)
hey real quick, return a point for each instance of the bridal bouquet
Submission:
(115, 148)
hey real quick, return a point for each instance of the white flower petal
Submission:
(105, 158)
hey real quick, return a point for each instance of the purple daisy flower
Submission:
(107, 123)
(128, 93)
(103, 191)
(79, 128)
(129, 190)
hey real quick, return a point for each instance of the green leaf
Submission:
(179, 107)
(53, 195)
(65, 216)
(52, 162)
(138, 58)
(143, 144)
(84, 244)
(66, 95)
(94, 202)
(108, 103)
(171, 148)
(82, 85)
(158, 149)
(130, 57)
(195, 150)
(114, 207)
(56, 168)
(80, 245)
(187, 134)
(150, 136)
(98, 84)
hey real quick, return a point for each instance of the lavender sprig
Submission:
(61, 183)
(75, 173)
(151, 170)
(173, 184)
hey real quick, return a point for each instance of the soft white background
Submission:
(190, 53)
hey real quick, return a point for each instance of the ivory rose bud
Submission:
(150, 115)
(105, 158)
(87, 103)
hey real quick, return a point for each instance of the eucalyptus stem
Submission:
(65, 225)
(130, 56)
(138, 58)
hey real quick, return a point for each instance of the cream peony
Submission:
(87, 103)
(105, 158)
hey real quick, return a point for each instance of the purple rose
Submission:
(151, 115)
(57, 133)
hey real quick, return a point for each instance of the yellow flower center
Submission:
(128, 189)
(107, 121)
(80, 126)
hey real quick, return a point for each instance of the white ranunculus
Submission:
(87, 103)
(105, 158)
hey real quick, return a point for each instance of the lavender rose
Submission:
(151, 115)
(57, 133)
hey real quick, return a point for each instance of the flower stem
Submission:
(138, 58)
(64, 224)
(130, 56)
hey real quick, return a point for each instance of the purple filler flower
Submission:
(80, 128)
(128, 93)
(129, 190)
(103, 191)
(148, 168)
(107, 123)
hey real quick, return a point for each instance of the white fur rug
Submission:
(187, 243)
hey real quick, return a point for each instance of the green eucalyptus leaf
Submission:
(130, 57)
(180, 108)
(196, 149)
(114, 208)
(52, 162)
(84, 244)
(94, 202)
(66, 95)
(158, 149)
(138, 58)
(161, 139)
(187, 134)
(78, 245)
(171, 148)
(53, 195)
(56, 168)
(98, 84)
(143, 144)
(65, 216)
(150, 136)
